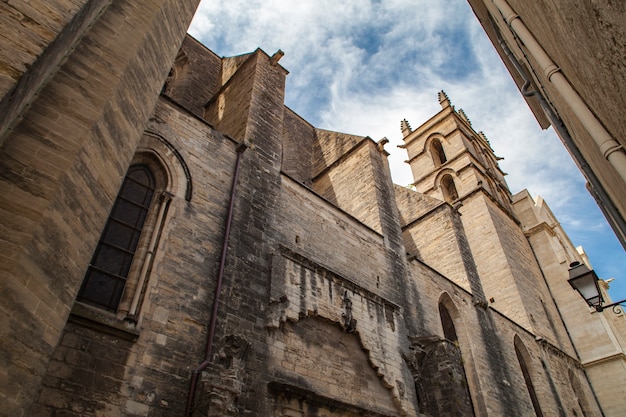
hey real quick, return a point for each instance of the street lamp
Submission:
(585, 281)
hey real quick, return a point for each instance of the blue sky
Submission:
(360, 67)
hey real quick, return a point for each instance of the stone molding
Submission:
(302, 288)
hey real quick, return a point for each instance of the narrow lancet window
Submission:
(439, 156)
(106, 277)
(449, 189)
(524, 362)
(449, 332)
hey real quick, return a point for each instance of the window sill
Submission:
(102, 321)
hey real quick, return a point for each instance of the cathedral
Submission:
(178, 242)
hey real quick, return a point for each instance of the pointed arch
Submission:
(448, 188)
(176, 82)
(110, 265)
(437, 152)
(476, 150)
(454, 331)
(525, 362)
(179, 180)
(579, 393)
(447, 322)
(119, 272)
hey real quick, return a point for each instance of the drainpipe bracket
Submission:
(242, 146)
(610, 146)
(550, 70)
(511, 17)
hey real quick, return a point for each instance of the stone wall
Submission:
(299, 139)
(331, 146)
(355, 193)
(304, 289)
(47, 32)
(62, 165)
(195, 76)
(486, 341)
(432, 237)
(319, 310)
(150, 372)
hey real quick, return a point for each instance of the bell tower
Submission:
(451, 161)
(454, 163)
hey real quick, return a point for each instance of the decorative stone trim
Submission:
(302, 288)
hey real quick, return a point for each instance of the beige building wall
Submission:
(599, 337)
(431, 235)
(492, 387)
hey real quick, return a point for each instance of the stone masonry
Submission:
(277, 270)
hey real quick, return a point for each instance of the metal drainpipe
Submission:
(608, 146)
(615, 219)
(218, 288)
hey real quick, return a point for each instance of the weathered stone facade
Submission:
(275, 270)
(73, 110)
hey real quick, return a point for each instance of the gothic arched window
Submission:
(449, 332)
(448, 188)
(106, 277)
(460, 385)
(436, 149)
(581, 398)
(177, 81)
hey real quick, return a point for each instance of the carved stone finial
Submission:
(484, 137)
(443, 99)
(464, 116)
(405, 127)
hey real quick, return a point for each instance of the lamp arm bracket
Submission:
(618, 307)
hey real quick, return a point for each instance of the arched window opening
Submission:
(449, 189)
(167, 86)
(581, 398)
(176, 75)
(108, 270)
(524, 361)
(449, 332)
(436, 149)
(458, 384)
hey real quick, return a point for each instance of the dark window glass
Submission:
(108, 270)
